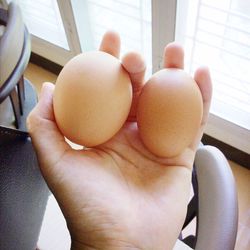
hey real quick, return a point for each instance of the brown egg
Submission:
(92, 98)
(169, 112)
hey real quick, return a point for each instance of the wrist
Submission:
(77, 246)
(101, 239)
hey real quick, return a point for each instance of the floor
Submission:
(54, 234)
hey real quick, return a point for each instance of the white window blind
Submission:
(217, 34)
(43, 20)
(51, 24)
(55, 22)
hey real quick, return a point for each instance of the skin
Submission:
(118, 195)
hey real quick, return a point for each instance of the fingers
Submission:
(46, 137)
(203, 79)
(173, 56)
(136, 67)
(111, 43)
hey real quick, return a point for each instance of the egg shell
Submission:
(169, 112)
(92, 98)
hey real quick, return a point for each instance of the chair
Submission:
(23, 191)
(214, 203)
(14, 56)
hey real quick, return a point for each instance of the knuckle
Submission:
(33, 121)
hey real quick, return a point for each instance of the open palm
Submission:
(118, 195)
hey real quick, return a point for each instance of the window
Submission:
(216, 33)
(62, 29)
(53, 29)
(213, 33)
(44, 20)
(132, 19)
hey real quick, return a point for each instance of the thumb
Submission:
(49, 143)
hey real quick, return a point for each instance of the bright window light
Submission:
(216, 34)
(43, 20)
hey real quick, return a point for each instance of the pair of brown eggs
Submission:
(93, 97)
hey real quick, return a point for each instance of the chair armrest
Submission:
(218, 205)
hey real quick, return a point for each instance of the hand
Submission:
(118, 195)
